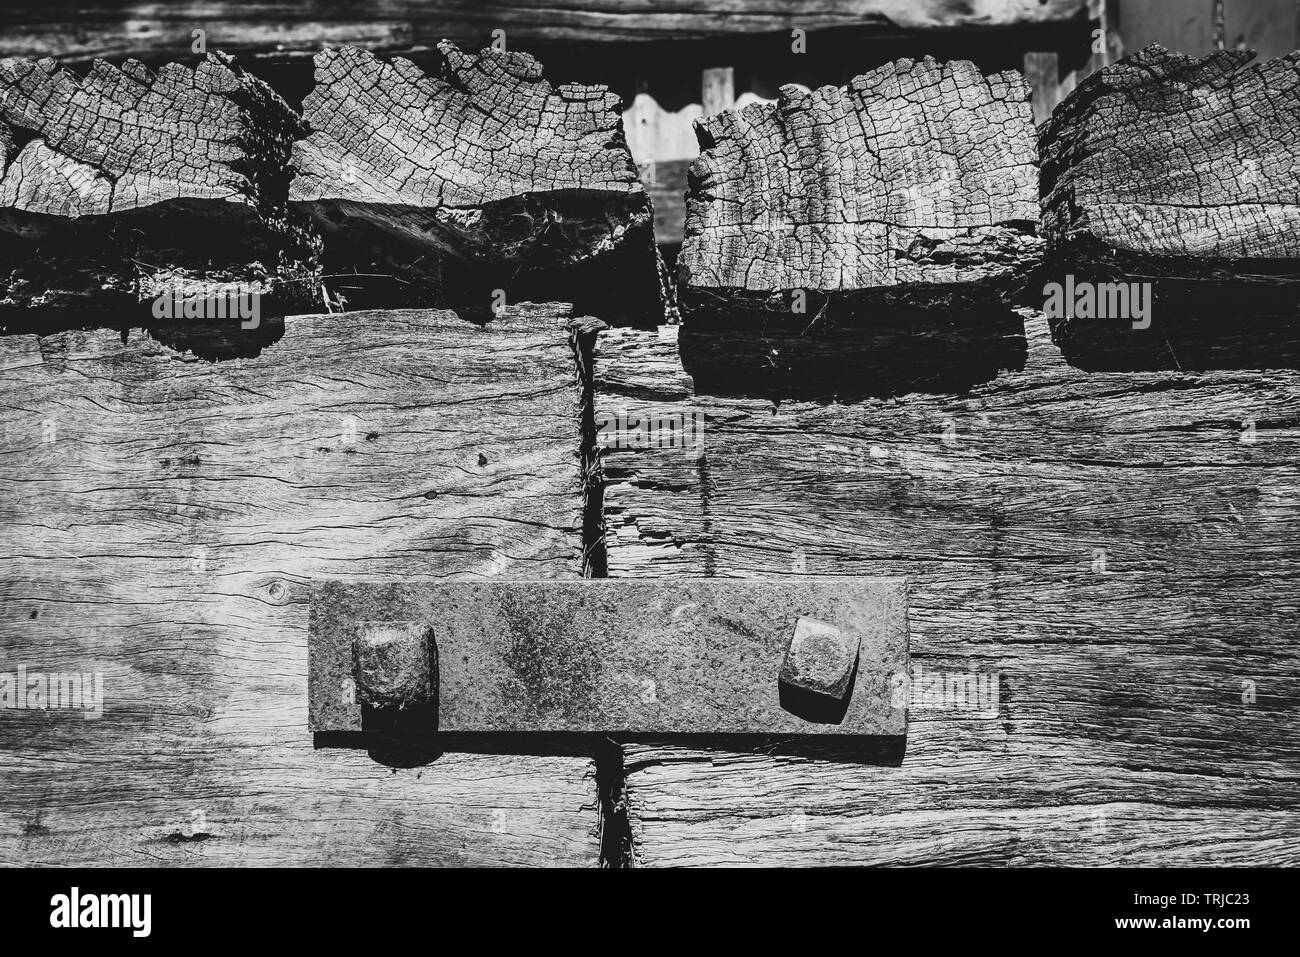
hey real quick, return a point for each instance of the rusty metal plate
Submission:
(668, 656)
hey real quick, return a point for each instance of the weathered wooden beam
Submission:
(91, 28)
(480, 183)
(616, 657)
(916, 181)
(1105, 580)
(162, 519)
(1175, 180)
(130, 182)
(1178, 165)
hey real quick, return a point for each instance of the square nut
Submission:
(821, 659)
(394, 667)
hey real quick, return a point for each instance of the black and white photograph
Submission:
(650, 434)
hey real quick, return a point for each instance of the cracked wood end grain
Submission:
(918, 173)
(121, 182)
(163, 529)
(482, 171)
(1176, 159)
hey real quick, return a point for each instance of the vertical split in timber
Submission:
(483, 178)
(130, 182)
(1183, 172)
(1105, 589)
(903, 204)
(162, 519)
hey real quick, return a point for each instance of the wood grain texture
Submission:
(1166, 156)
(916, 173)
(481, 172)
(380, 135)
(118, 184)
(162, 529)
(86, 28)
(1121, 552)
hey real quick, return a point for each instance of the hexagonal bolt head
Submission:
(395, 665)
(820, 659)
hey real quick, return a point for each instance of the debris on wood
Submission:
(479, 185)
(130, 184)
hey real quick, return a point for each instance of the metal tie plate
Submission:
(801, 655)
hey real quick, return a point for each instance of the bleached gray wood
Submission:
(1175, 164)
(1121, 551)
(475, 178)
(128, 181)
(917, 173)
(162, 518)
